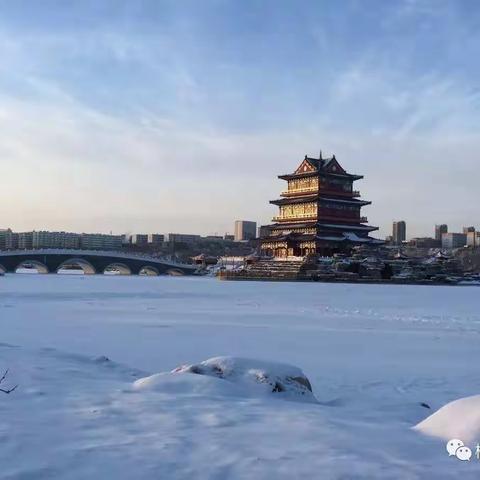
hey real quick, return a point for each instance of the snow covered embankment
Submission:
(457, 419)
(232, 376)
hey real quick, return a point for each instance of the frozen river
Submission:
(373, 354)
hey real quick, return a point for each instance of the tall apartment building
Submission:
(25, 240)
(467, 230)
(399, 232)
(156, 239)
(245, 230)
(454, 240)
(11, 240)
(183, 238)
(4, 233)
(473, 239)
(139, 239)
(440, 230)
(44, 239)
(100, 241)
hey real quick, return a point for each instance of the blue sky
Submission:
(177, 115)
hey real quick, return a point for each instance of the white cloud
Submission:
(70, 163)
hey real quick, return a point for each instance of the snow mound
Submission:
(233, 376)
(186, 385)
(457, 419)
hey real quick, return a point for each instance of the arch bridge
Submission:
(91, 262)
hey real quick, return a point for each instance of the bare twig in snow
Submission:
(8, 390)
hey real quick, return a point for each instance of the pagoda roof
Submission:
(290, 225)
(327, 226)
(319, 163)
(291, 176)
(311, 167)
(347, 237)
(291, 236)
(346, 227)
(294, 200)
(315, 197)
(351, 201)
(343, 237)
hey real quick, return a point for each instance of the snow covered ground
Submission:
(372, 353)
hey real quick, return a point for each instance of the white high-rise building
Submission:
(245, 230)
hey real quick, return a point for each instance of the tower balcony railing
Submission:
(322, 191)
(321, 216)
(298, 191)
(296, 218)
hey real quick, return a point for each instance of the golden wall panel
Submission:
(300, 210)
(309, 184)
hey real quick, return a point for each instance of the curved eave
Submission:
(290, 236)
(291, 176)
(346, 227)
(350, 201)
(294, 200)
(289, 225)
(348, 238)
(324, 226)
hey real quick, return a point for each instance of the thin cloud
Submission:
(154, 119)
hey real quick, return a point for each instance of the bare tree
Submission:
(8, 390)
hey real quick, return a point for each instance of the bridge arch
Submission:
(31, 265)
(86, 266)
(117, 268)
(175, 272)
(149, 271)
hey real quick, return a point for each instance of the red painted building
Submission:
(319, 213)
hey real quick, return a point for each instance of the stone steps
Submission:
(271, 270)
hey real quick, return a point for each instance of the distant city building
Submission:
(454, 240)
(11, 240)
(399, 232)
(44, 239)
(215, 238)
(467, 230)
(473, 239)
(156, 239)
(389, 239)
(439, 231)
(263, 231)
(25, 240)
(100, 241)
(4, 233)
(139, 239)
(229, 237)
(183, 238)
(245, 230)
(424, 242)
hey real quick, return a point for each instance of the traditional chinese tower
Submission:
(319, 212)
